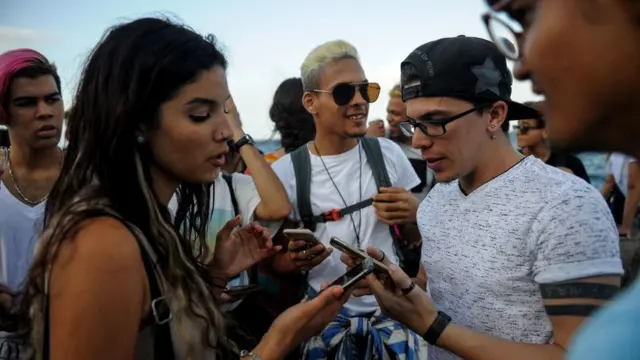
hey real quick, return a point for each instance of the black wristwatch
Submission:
(244, 140)
(437, 327)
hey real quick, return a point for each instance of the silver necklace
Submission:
(15, 184)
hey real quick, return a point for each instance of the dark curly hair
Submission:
(291, 119)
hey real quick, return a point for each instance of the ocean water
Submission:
(593, 162)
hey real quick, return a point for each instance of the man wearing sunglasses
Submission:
(592, 105)
(510, 246)
(338, 94)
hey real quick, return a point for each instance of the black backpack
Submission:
(409, 256)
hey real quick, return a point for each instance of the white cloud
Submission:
(15, 36)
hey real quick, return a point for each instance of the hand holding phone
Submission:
(305, 235)
(304, 249)
(355, 274)
(357, 253)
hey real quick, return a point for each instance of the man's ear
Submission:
(309, 102)
(498, 115)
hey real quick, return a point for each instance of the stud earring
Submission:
(493, 137)
(140, 139)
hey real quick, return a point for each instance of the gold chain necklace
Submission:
(15, 183)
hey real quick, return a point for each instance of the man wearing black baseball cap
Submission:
(508, 241)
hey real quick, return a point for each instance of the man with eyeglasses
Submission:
(583, 56)
(513, 255)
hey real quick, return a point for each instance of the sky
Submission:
(264, 41)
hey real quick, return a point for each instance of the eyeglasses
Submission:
(343, 93)
(506, 36)
(524, 129)
(432, 128)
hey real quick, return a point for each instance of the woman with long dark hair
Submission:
(114, 276)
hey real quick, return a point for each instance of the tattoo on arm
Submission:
(578, 290)
(589, 296)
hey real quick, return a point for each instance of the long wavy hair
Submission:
(291, 119)
(133, 70)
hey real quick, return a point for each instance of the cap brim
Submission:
(519, 111)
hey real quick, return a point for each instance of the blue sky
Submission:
(265, 41)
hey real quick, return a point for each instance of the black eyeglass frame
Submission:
(418, 124)
(490, 16)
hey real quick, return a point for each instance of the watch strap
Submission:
(244, 140)
(437, 328)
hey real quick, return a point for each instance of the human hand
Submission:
(400, 298)
(395, 206)
(304, 258)
(6, 304)
(300, 322)
(376, 128)
(361, 288)
(237, 249)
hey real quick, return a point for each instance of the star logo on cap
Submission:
(488, 77)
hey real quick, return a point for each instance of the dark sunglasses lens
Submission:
(343, 93)
(370, 92)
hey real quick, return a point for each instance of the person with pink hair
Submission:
(31, 108)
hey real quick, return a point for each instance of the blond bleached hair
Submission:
(396, 91)
(320, 56)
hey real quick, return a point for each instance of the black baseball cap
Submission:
(463, 67)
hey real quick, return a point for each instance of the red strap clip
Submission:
(333, 215)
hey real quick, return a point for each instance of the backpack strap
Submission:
(302, 169)
(229, 180)
(409, 257)
(160, 312)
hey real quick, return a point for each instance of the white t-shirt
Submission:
(324, 197)
(20, 226)
(247, 198)
(618, 166)
(486, 253)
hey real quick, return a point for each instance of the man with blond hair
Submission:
(339, 168)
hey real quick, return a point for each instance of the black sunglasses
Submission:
(524, 129)
(343, 93)
(433, 128)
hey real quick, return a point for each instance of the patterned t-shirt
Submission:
(486, 253)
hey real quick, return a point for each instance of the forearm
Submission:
(274, 203)
(472, 345)
(630, 208)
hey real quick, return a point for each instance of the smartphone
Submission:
(302, 234)
(345, 248)
(238, 292)
(355, 274)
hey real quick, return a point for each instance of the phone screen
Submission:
(355, 274)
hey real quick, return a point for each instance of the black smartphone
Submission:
(353, 252)
(355, 274)
(238, 292)
(302, 234)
